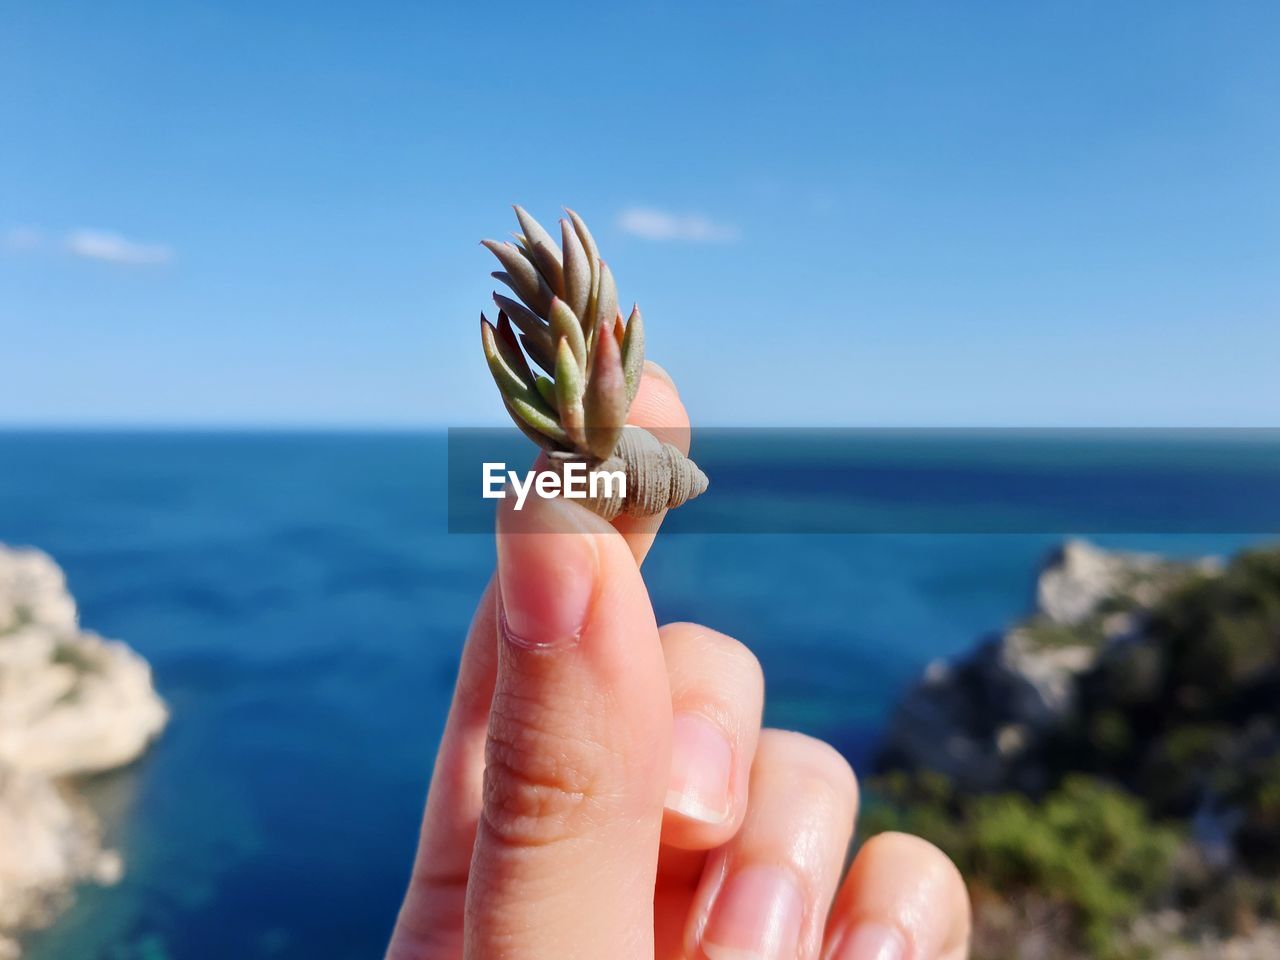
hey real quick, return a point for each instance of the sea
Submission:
(303, 605)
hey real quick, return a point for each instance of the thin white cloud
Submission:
(22, 239)
(113, 248)
(654, 224)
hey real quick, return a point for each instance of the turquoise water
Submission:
(303, 608)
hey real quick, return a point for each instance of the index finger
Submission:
(430, 922)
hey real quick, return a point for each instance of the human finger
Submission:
(903, 900)
(765, 894)
(578, 750)
(717, 696)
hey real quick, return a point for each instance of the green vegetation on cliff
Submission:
(1161, 785)
(1087, 848)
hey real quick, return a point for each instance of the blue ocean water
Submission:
(303, 609)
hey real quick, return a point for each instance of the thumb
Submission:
(578, 748)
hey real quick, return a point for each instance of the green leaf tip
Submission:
(566, 365)
(633, 352)
(605, 403)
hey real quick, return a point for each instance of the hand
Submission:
(603, 790)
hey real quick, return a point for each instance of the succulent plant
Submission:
(565, 322)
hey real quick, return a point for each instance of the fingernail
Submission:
(546, 573)
(869, 941)
(701, 763)
(757, 916)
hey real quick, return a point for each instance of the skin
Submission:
(550, 827)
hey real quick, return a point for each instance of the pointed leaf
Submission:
(533, 230)
(510, 385)
(565, 324)
(588, 241)
(606, 304)
(588, 323)
(571, 383)
(633, 353)
(509, 348)
(539, 352)
(605, 403)
(593, 260)
(531, 326)
(508, 380)
(577, 272)
(522, 276)
(547, 258)
(522, 248)
(539, 420)
(547, 390)
(541, 439)
(543, 250)
(524, 318)
(552, 273)
(569, 389)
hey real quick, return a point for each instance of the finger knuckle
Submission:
(839, 771)
(541, 785)
(738, 661)
(816, 761)
(717, 654)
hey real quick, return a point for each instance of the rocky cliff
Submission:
(986, 720)
(1107, 771)
(71, 704)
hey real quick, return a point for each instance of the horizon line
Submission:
(16, 427)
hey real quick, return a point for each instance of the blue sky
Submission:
(907, 213)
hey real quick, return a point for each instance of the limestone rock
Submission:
(1080, 576)
(71, 703)
(48, 841)
(982, 719)
(74, 703)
